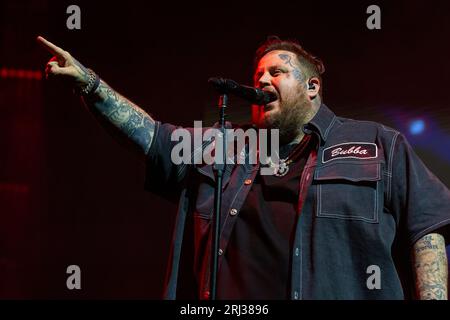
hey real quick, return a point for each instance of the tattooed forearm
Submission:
(295, 70)
(131, 120)
(430, 267)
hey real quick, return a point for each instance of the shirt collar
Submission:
(322, 122)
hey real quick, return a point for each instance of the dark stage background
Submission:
(69, 194)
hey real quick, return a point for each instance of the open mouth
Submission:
(270, 106)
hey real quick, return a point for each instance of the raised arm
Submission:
(113, 110)
(430, 267)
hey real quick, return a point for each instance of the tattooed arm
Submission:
(126, 118)
(119, 115)
(430, 267)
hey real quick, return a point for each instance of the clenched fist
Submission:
(64, 65)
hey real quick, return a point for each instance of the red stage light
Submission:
(20, 74)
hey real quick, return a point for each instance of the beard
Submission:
(290, 118)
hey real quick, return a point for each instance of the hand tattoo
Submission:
(83, 71)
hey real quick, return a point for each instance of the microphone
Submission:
(251, 94)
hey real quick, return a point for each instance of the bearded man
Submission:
(350, 213)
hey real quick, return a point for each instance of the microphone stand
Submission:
(219, 169)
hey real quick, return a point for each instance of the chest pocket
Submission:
(349, 191)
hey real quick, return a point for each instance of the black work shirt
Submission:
(257, 263)
(365, 198)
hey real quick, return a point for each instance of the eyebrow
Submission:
(259, 72)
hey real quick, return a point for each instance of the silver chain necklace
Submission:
(282, 168)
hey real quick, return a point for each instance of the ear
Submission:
(313, 88)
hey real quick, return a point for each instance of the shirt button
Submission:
(220, 252)
(233, 212)
(297, 252)
(248, 181)
(206, 295)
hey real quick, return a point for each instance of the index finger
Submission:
(55, 50)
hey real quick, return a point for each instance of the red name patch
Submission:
(356, 150)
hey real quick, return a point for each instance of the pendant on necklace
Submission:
(282, 169)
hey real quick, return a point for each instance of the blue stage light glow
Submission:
(417, 127)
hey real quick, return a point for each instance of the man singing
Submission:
(351, 212)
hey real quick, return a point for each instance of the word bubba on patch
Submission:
(356, 150)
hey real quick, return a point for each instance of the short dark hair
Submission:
(311, 64)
